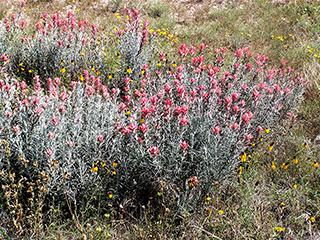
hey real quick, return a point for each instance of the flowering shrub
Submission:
(59, 47)
(186, 127)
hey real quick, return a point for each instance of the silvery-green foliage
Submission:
(58, 132)
(135, 47)
(59, 47)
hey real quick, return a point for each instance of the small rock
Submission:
(316, 141)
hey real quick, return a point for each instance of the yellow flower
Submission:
(129, 70)
(278, 229)
(312, 219)
(243, 157)
(240, 170)
(273, 167)
(285, 165)
(174, 64)
(267, 130)
(95, 169)
(282, 204)
(305, 145)
(141, 120)
(98, 229)
(81, 78)
(159, 63)
(221, 212)
(114, 164)
(30, 71)
(107, 215)
(128, 112)
(22, 69)
(103, 164)
(207, 198)
(114, 173)
(110, 195)
(253, 144)
(295, 186)
(109, 76)
(63, 70)
(92, 69)
(261, 139)
(315, 164)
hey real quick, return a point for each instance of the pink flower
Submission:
(143, 101)
(132, 127)
(23, 85)
(154, 100)
(7, 87)
(23, 23)
(217, 130)
(238, 53)
(154, 151)
(167, 87)
(50, 135)
(262, 85)
(235, 96)
(54, 120)
(245, 118)
(192, 50)
(100, 138)
(125, 130)
(287, 91)
(228, 101)
(259, 129)
(62, 109)
(235, 126)
(8, 114)
(236, 109)
(277, 88)
(183, 121)
(249, 137)
(184, 146)
(38, 26)
(16, 129)
(39, 111)
(202, 47)
(193, 181)
(143, 128)
(49, 153)
(70, 143)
